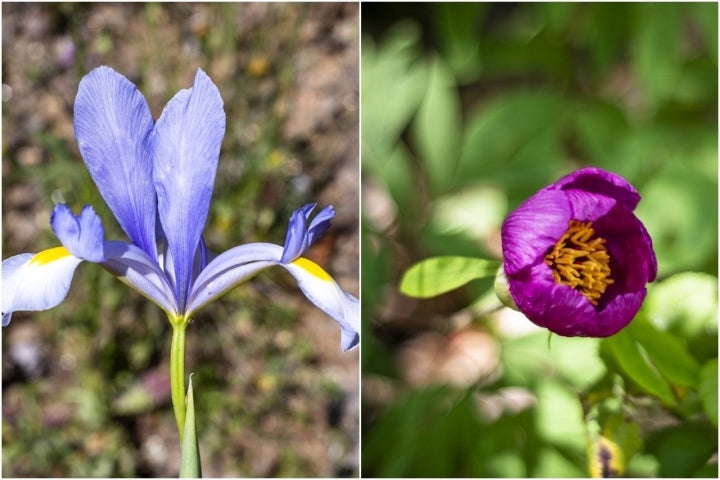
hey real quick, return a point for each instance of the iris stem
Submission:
(177, 374)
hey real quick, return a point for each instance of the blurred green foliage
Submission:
(274, 396)
(468, 109)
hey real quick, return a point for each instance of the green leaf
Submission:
(633, 361)
(458, 36)
(708, 389)
(515, 140)
(393, 85)
(684, 449)
(666, 352)
(437, 275)
(436, 129)
(657, 55)
(190, 451)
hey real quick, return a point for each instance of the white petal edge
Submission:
(320, 288)
(33, 282)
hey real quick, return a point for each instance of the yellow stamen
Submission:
(579, 259)
(50, 255)
(312, 268)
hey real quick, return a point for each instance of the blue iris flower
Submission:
(157, 179)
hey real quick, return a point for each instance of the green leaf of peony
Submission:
(634, 362)
(708, 389)
(666, 352)
(438, 275)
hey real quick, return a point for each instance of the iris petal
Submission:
(36, 281)
(112, 123)
(82, 235)
(134, 267)
(296, 239)
(230, 269)
(241, 263)
(320, 224)
(322, 290)
(186, 144)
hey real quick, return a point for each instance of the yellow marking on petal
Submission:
(312, 268)
(579, 259)
(50, 255)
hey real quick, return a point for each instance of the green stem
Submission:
(177, 374)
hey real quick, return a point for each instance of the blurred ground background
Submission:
(85, 388)
(467, 110)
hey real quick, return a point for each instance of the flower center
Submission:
(579, 259)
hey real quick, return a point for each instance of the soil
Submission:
(84, 385)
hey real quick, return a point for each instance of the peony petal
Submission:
(598, 181)
(559, 308)
(616, 315)
(36, 281)
(586, 206)
(186, 145)
(112, 123)
(594, 195)
(633, 262)
(533, 228)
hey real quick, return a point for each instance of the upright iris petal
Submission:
(112, 125)
(186, 144)
(576, 258)
(300, 235)
(83, 236)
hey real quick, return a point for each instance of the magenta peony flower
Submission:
(576, 258)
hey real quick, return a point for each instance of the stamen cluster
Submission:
(579, 259)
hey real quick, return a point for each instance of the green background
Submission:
(467, 110)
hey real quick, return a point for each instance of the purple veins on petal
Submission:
(186, 145)
(112, 124)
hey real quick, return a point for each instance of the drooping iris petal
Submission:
(320, 288)
(82, 235)
(112, 124)
(588, 281)
(34, 282)
(239, 264)
(186, 145)
(134, 267)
